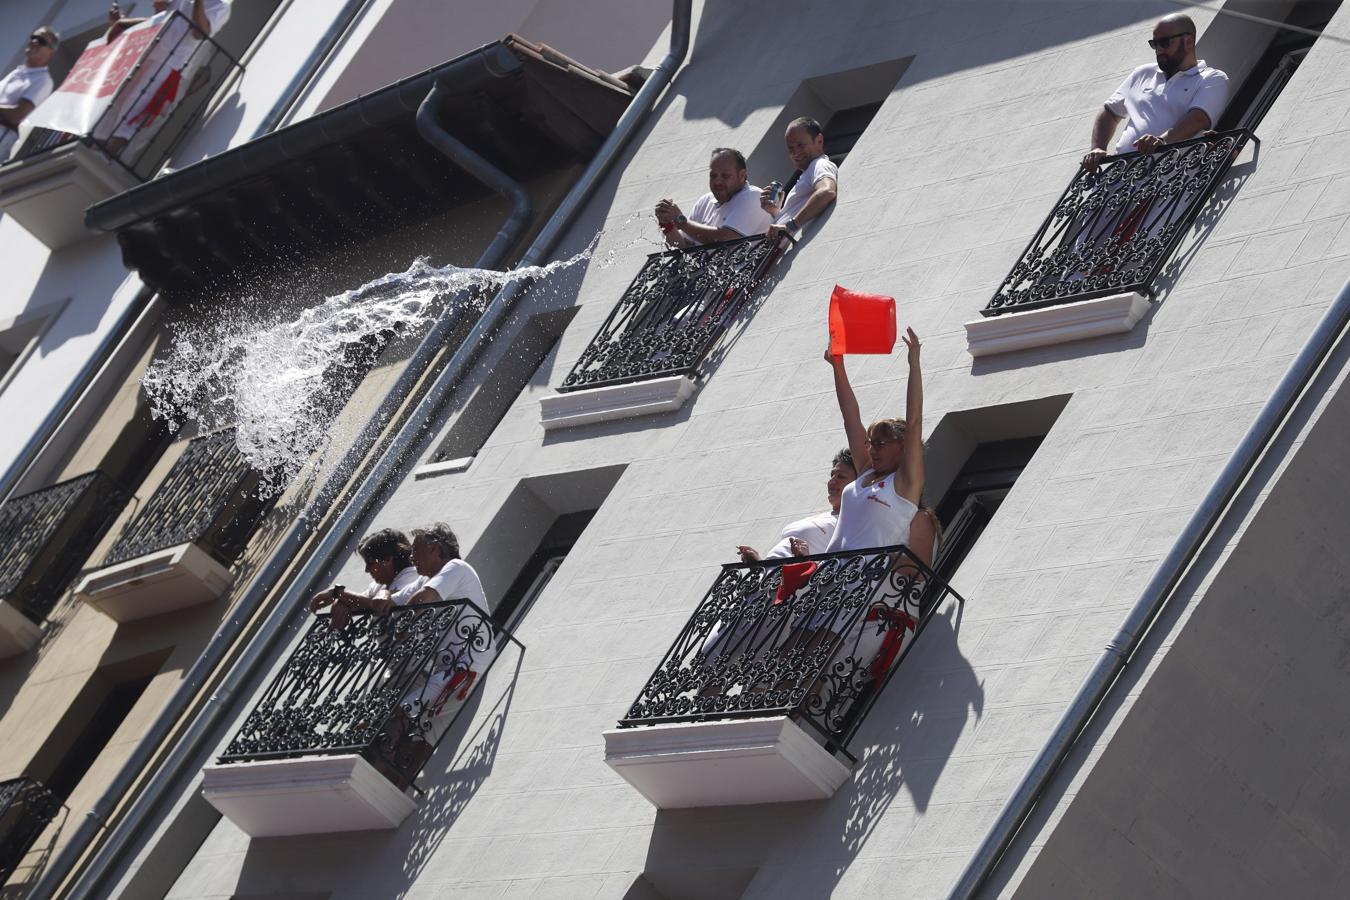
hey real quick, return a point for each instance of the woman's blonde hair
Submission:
(891, 428)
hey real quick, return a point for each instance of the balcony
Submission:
(348, 723)
(1094, 265)
(646, 355)
(178, 549)
(44, 538)
(110, 125)
(26, 809)
(765, 687)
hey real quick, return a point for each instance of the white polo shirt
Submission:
(816, 169)
(742, 213)
(1151, 103)
(31, 83)
(815, 530)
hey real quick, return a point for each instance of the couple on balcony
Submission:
(734, 208)
(404, 573)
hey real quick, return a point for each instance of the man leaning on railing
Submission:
(1173, 100)
(814, 186)
(728, 211)
(26, 86)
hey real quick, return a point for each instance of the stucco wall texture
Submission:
(940, 196)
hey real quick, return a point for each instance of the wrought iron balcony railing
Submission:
(388, 688)
(673, 313)
(816, 638)
(153, 104)
(26, 808)
(1114, 229)
(45, 536)
(210, 498)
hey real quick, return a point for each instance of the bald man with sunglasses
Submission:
(1173, 100)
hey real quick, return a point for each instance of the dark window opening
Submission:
(976, 494)
(98, 730)
(845, 127)
(1284, 51)
(535, 575)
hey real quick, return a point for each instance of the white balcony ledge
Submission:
(160, 582)
(616, 401)
(47, 193)
(307, 795)
(1049, 325)
(769, 760)
(18, 633)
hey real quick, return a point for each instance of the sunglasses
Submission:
(1165, 42)
(41, 39)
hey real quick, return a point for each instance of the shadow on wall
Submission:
(751, 33)
(905, 744)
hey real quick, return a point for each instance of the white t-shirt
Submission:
(816, 169)
(458, 581)
(1151, 103)
(31, 83)
(742, 213)
(815, 530)
(401, 589)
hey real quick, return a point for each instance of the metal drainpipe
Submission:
(275, 631)
(1118, 652)
(65, 406)
(224, 638)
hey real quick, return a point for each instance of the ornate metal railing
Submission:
(45, 536)
(673, 312)
(388, 688)
(26, 808)
(815, 637)
(1114, 229)
(163, 93)
(210, 497)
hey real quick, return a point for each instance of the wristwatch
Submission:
(791, 224)
(681, 219)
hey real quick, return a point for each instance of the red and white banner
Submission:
(92, 85)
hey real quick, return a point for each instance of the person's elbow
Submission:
(827, 196)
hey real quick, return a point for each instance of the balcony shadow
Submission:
(35, 861)
(904, 745)
(1203, 227)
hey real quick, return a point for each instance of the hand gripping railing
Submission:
(1113, 229)
(386, 687)
(673, 313)
(813, 637)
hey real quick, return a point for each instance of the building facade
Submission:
(1101, 355)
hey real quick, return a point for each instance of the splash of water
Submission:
(281, 384)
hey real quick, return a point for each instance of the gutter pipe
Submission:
(1120, 649)
(409, 440)
(140, 306)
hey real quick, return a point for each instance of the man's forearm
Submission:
(1191, 124)
(817, 203)
(199, 17)
(707, 234)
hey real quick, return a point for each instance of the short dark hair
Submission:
(439, 534)
(733, 152)
(811, 125)
(845, 458)
(387, 543)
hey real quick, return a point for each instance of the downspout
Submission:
(216, 651)
(1120, 649)
(273, 633)
(129, 323)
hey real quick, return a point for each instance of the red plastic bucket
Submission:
(861, 323)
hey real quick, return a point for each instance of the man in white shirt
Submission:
(25, 87)
(815, 186)
(728, 211)
(1178, 98)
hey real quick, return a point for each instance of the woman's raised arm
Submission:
(911, 465)
(854, 430)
